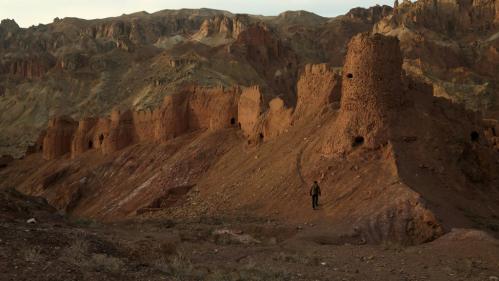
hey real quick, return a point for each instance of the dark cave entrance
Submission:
(232, 121)
(261, 136)
(358, 141)
(101, 138)
(474, 136)
(349, 75)
(90, 144)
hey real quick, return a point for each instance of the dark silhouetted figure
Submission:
(315, 192)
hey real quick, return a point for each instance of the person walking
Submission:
(315, 192)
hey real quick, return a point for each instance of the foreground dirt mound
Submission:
(16, 206)
(227, 248)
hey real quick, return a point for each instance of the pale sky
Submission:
(33, 12)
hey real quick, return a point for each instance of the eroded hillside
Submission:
(83, 68)
(395, 162)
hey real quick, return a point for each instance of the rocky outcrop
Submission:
(267, 54)
(223, 26)
(250, 108)
(121, 131)
(370, 15)
(83, 139)
(371, 93)
(194, 108)
(318, 86)
(450, 17)
(58, 139)
(172, 118)
(277, 119)
(212, 108)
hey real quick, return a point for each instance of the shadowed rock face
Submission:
(57, 141)
(83, 139)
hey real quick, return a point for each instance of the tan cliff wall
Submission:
(318, 86)
(194, 108)
(171, 118)
(371, 92)
(278, 119)
(212, 108)
(250, 107)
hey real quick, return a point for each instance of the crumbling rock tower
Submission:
(371, 93)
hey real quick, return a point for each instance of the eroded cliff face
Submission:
(449, 44)
(58, 137)
(318, 86)
(410, 160)
(371, 93)
(134, 61)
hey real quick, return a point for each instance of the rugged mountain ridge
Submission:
(84, 68)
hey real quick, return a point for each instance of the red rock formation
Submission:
(318, 86)
(57, 141)
(371, 93)
(83, 139)
(212, 108)
(101, 132)
(144, 122)
(250, 108)
(172, 117)
(121, 131)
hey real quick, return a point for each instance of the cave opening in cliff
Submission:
(261, 136)
(41, 147)
(494, 132)
(349, 75)
(358, 141)
(101, 138)
(232, 121)
(90, 144)
(474, 136)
